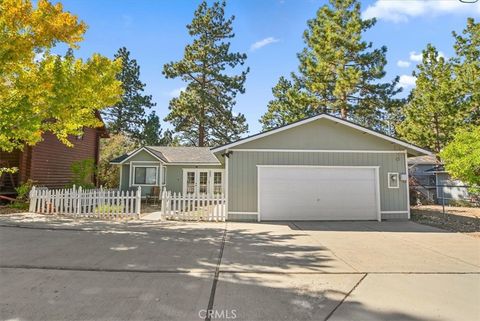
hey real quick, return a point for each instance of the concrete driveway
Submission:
(240, 271)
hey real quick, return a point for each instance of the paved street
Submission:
(241, 271)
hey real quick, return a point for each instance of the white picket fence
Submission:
(193, 207)
(78, 202)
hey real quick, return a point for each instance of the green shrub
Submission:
(83, 171)
(109, 209)
(24, 190)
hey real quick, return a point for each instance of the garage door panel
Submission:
(317, 193)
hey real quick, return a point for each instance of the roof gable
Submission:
(323, 132)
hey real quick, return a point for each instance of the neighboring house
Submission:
(319, 168)
(430, 179)
(49, 162)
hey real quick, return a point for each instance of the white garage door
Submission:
(317, 193)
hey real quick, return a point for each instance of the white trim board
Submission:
(243, 213)
(331, 118)
(321, 151)
(138, 151)
(193, 164)
(133, 165)
(394, 212)
(319, 166)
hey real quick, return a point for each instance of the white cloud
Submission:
(402, 10)
(403, 64)
(417, 57)
(176, 92)
(407, 81)
(262, 43)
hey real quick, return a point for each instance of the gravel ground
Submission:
(8, 210)
(456, 219)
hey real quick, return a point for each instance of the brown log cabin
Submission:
(49, 162)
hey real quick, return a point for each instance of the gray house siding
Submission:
(321, 134)
(242, 175)
(447, 190)
(174, 173)
(142, 158)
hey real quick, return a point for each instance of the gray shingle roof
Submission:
(425, 160)
(184, 154)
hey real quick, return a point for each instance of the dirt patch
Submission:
(5, 210)
(456, 219)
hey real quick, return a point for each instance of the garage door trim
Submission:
(375, 168)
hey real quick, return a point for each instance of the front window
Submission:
(203, 182)
(217, 182)
(145, 176)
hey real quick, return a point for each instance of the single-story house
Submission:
(430, 179)
(49, 162)
(319, 168)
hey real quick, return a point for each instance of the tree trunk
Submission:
(201, 135)
(437, 134)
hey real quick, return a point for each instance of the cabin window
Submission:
(145, 176)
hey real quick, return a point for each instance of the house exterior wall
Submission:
(51, 161)
(420, 172)
(321, 134)
(453, 190)
(242, 175)
(174, 173)
(348, 146)
(142, 158)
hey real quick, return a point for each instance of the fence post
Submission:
(79, 202)
(139, 200)
(33, 199)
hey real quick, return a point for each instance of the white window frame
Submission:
(210, 182)
(145, 165)
(163, 176)
(397, 175)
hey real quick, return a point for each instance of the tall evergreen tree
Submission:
(203, 111)
(467, 68)
(153, 135)
(287, 106)
(433, 111)
(128, 115)
(339, 72)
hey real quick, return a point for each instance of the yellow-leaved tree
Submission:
(40, 91)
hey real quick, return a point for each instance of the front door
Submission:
(196, 182)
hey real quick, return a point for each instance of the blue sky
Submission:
(269, 31)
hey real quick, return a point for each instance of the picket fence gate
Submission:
(193, 207)
(78, 202)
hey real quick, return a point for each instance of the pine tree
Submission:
(433, 111)
(203, 111)
(153, 135)
(288, 105)
(339, 72)
(128, 115)
(467, 68)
